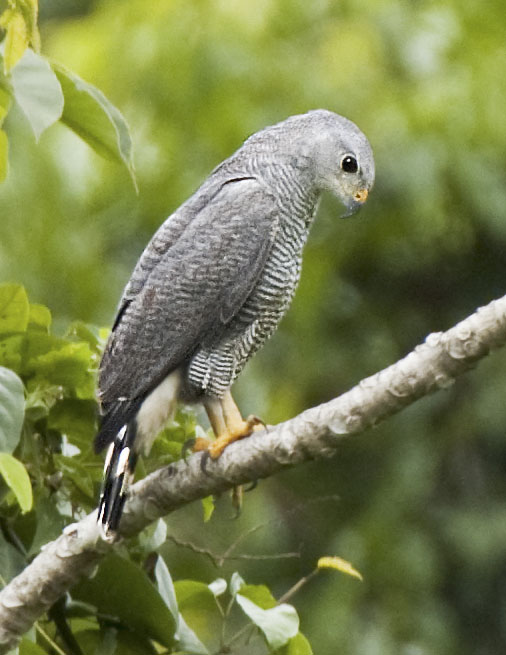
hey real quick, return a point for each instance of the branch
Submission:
(314, 434)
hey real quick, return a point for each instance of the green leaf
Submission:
(186, 638)
(17, 479)
(16, 40)
(14, 308)
(4, 155)
(27, 647)
(207, 507)
(77, 473)
(259, 594)
(298, 645)
(59, 362)
(11, 561)
(76, 419)
(10, 352)
(124, 642)
(96, 120)
(198, 606)
(117, 582)
(5, 103)
(152, 537)
(37, 91)
(12, 409)
(49, 525)
(79, 331)
(39, 317)
(166, 587)
(279, 624)
(109, 643)
(30, 10)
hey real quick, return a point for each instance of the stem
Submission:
(293, 590)
(52, 643)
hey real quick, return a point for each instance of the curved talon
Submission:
(254, 421)
(203, 462)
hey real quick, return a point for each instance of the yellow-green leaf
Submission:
(30, 10)
(96, 120)
(207, 507)
(297, 645)
(37, 91)
(14, 308)
(339, 564)
(16, 41)
(17, 479)
(40, 317)
(5, 103)
(4, 155)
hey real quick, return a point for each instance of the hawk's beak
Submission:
(354, 204)
(361, 196)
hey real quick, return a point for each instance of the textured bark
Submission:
(313, 434)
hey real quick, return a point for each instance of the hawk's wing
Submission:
(198, 282)
(164, 238)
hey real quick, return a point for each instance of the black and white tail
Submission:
(118, 474)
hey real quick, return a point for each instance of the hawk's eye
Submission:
(349, 164)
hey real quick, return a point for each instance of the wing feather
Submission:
(194, 285)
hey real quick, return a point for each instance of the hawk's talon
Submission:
(255, 422)
(203, 462)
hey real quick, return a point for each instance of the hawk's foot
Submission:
(242, 430)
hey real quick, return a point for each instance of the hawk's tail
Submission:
(118, 473)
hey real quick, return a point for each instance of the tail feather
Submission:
(115, 415)
(118, 474)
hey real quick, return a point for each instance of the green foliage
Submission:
(12, 409)
(16, 478)
(46, 92)
(112, 590)
(19, 21)
(51, 476)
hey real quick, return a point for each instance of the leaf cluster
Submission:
(47, 92)
(49, 476)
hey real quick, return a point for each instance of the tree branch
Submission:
(312, 435)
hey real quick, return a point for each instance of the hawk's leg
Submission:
(227, 423)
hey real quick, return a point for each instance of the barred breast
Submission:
(214, 367)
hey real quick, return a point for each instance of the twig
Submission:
(293, 590)
(218, 560)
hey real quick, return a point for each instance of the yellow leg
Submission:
(227, 423)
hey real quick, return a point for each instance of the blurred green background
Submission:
(421, 500)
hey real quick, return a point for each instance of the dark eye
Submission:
(349, 164)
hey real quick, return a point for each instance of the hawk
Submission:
(213, 284)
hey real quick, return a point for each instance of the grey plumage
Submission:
(219, 274)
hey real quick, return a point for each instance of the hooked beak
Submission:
(354, 204)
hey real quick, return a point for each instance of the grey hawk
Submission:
(213, 284)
